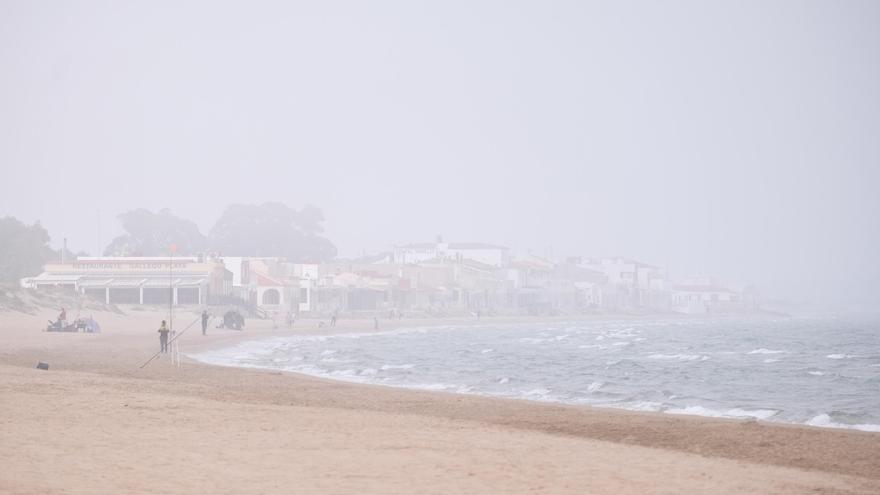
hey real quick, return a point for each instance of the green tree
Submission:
(24, 249)
(272, 229)
(151, 234)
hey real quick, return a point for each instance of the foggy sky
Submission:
(732, 138)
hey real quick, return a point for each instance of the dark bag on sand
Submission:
(42, 366)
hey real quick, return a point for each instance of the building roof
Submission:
(578, 274)
(419, 245)
(473, 245)
(267, 281)
(478, 265)
(48, 277)
(616, 259)
(701, 288)
(451, 245)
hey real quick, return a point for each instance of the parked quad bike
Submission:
(233, 320)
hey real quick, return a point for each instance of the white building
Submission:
(700, 295)
(272, 283)
(632, 284)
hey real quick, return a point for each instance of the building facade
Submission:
(138, 280)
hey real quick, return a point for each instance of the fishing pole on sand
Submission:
(172, 340)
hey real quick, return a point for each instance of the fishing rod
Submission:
(172, 340)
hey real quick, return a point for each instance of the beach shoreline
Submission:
(432, 432)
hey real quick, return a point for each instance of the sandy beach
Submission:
(97, 423)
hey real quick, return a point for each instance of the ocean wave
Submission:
(768, 361)
(841, 356)
(765, 351)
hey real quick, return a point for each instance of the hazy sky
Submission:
(736, 138)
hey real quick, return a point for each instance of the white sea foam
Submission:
(840, 356)
(729, 413)
(595, 386)
(679, 357)
(765, 351)
(503, 380)
(768, 361)
(635, 406)
(486, 351)
(397, 367)
(825, 421)
(817, 373)
(336, 360)
(432, 386)
(539, 394)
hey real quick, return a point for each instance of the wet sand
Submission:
(96, 423)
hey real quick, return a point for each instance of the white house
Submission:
(632, 284)
(699, 295)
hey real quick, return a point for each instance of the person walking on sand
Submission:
(163, 337)
(204, 322)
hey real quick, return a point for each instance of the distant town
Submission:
(424, 279)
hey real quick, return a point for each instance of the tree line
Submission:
(271, 229)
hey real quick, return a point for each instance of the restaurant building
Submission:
(139, 280)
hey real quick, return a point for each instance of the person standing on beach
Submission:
(204, 322)
(290, 319)
(62, 318)
(375, 323)
(163, 337)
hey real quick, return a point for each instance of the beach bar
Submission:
(138, 280)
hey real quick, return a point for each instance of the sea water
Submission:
(821, 371)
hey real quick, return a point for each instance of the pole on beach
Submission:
(173, 339)
(171, 248)
(171, 288)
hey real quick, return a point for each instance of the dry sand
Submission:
(95, 423)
